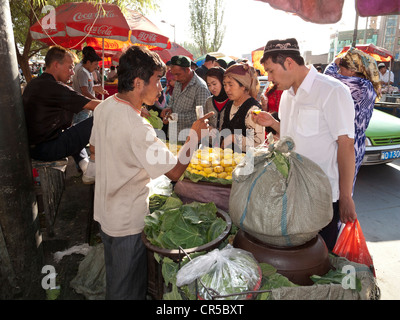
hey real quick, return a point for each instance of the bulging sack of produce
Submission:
(284, 200)
(227, 272)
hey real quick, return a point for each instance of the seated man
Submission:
(49, 105)
(112, 75)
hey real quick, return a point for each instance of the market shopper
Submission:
(189, 91)
(218, 99)
(317, 112)
(49, 106)
(209, 62)
(83, 81)
(128, 155)
(359, 72)
(239, 131)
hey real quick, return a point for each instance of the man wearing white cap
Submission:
(386, 76)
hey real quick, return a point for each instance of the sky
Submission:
(250, 24)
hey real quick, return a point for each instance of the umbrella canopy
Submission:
(80, 22)
(378, 53)
(175, 50)
(77, 21)
(330, 11)
(200, 60)
(256, 56)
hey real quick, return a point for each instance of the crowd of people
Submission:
(325, 114)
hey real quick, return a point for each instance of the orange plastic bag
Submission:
(351, 245)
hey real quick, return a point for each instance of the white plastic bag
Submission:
(222, 272)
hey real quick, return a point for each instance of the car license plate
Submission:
(385, 155)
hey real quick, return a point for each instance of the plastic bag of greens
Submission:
(228, 271)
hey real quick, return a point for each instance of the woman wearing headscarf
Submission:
(218, 99)
(359, 72)
(239, 131)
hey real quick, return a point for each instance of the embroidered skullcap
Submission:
(280, 46)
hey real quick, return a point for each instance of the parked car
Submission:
(263, 85)
(382, 139)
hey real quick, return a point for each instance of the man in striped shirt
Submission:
(189, 91)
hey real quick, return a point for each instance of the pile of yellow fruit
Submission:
(174, 148)
(214, 162)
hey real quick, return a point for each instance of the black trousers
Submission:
(70, 142)
(126, 267)
(331, 231)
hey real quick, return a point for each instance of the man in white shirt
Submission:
(385, 76)
(318, 113)
(128, 155)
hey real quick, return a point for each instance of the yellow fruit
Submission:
(218, 169)
(208, 170)
(229, 169)
(228, 177)
(222, 175)
(202, 173)
(205, 163)
(228, 155)
(195, 171)
(212, 174)
(198, 167)
(224, 163)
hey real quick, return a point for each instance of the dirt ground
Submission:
(71, 228)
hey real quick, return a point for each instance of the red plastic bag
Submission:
(351, 245)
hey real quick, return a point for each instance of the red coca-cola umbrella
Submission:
(175, 50)
(102, 26)
(71, 24)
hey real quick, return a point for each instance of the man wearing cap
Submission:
(189, 91)
(208, 63)
(385, 76)
(317, 111)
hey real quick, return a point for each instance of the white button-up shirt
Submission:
(314, 117)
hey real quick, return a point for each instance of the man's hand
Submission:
(164, 115)
(346, 165)
(201, 124)
(347, 209)
(265, 119)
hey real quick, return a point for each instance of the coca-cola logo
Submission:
(102, 30)
(81, 16)
(147, 37)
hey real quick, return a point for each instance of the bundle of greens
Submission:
(190, 225)
(155, 120)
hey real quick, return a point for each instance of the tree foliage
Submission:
(25, 13)
(206, 22)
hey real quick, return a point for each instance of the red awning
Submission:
(330, 11)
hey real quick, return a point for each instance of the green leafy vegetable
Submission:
(155, 120)
(282, 163)
(190, 225)
(198, 177)
(333, 276)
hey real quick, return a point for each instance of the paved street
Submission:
(377, 199)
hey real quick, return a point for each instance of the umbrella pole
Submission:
(355, 32)
(102, 72)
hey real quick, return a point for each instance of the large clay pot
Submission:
(296, 263)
